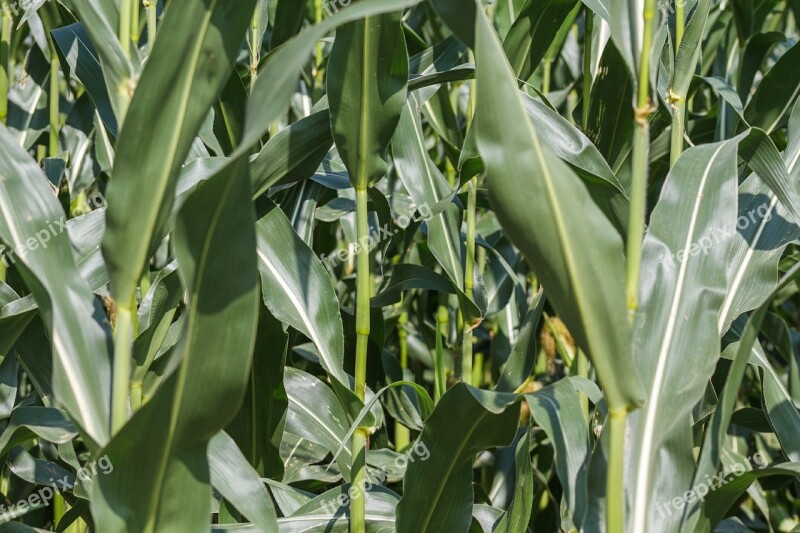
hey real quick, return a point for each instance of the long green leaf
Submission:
(32, 225)
(437, 492)
(186, 72)
(367, 85)
(214, 236)
(298, 290)
(583, 273)
(676, 341)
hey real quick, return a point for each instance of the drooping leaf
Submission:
(437, 492)
(32, 225)
(298, 290)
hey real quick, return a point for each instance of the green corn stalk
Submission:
(440, 380)
(150, 8)
(6, 76)
(641, 150)
(402, 436)
(125, 25)
(587, 68)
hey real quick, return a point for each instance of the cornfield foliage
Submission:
(400, 265)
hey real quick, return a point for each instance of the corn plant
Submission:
(399, 265)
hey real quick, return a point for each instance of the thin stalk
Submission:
(469, 279)
(152, 21)
(641, 149)
(477, 370)
(320, 51)
(123, 338)
(125, 24)
(402, 435)
(678, 102)
(615, 491)
(587, 68)
(255, 49)
(357, 507)
(615, 488)
(53, 98)
(583, 371)
(136, 396)
(5, 64)
(680, 23)
(678, 128)
(440, 385)
(135, 23)
(547, 65)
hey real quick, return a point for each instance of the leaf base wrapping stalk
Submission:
(123, 339)
(358, 498)
(678, 127)
(615, 489)
(357, 508)
(641, 140)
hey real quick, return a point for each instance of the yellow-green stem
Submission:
(53, 98)
(615, 497)
(135, 23)
(5, 64)
(125, 26)
(136, 395)
(641, 149)
(546, 66)
(402, 435)
(255, 49)
(320, 51)
(357, 508)
(152, 21)
(583, 371)
(477, 370)
(469, 279)
(587, 69)
(123, 339)
(678, 127)
(615, 486)
(678, 101)
(440, 385)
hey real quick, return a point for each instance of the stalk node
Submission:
(642, 114)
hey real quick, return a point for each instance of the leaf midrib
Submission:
(150, 216)
(183, 371)
(643, 474)
(748, 256)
